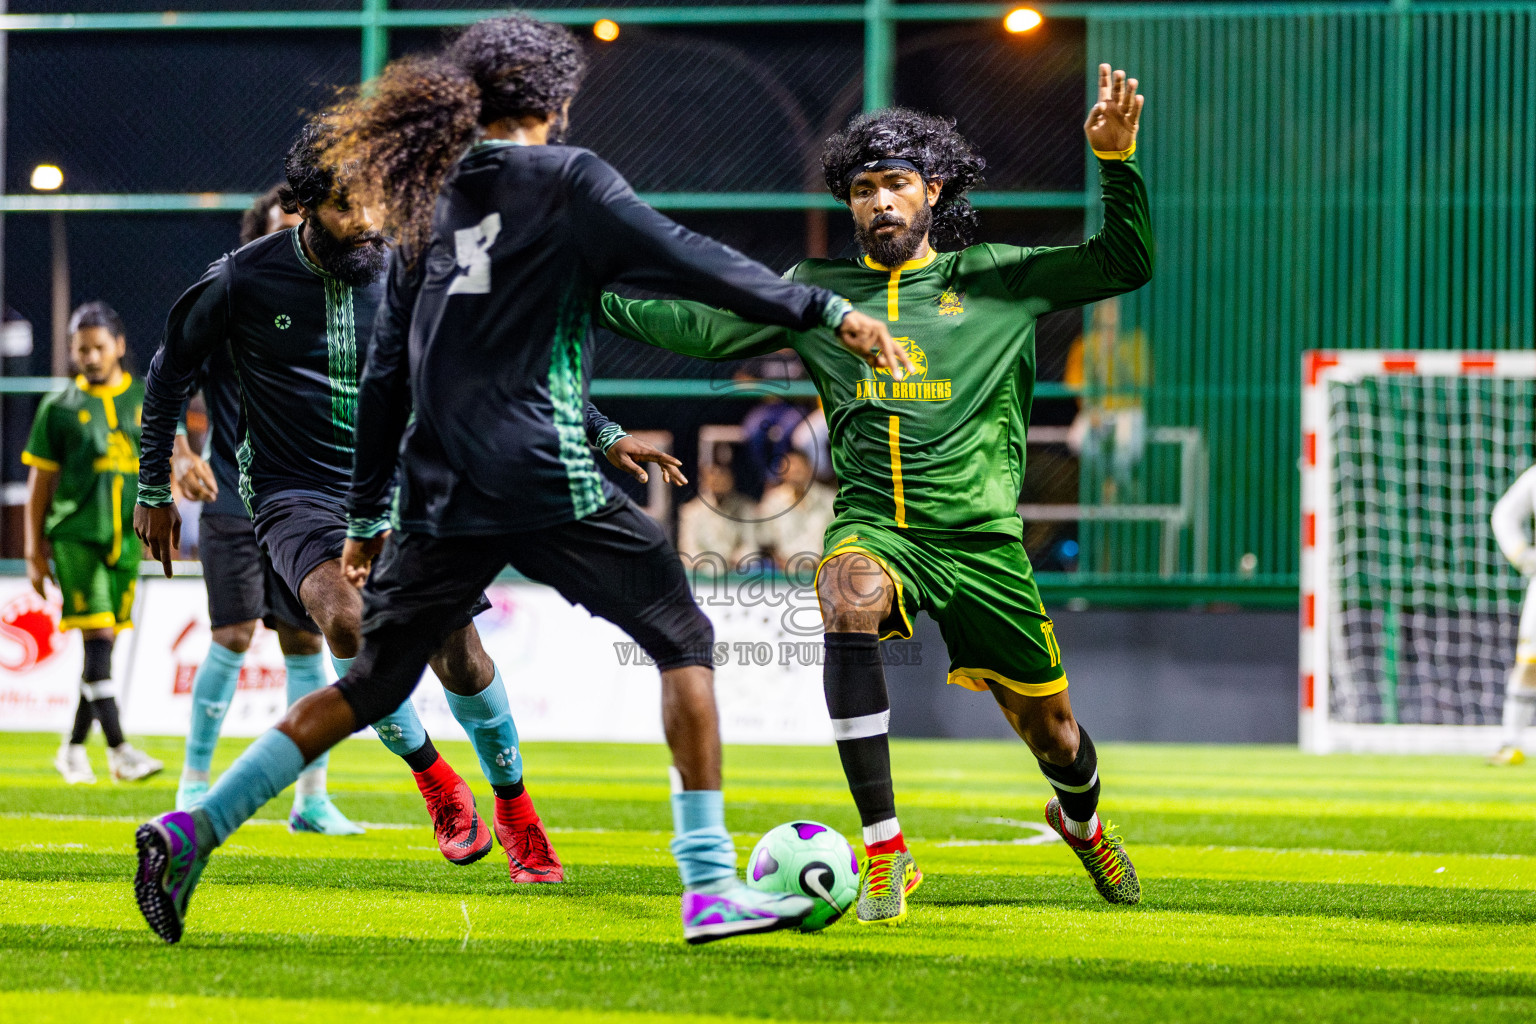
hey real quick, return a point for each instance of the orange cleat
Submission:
(530, 857)
(462, 835)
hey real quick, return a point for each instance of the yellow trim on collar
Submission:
(1115, 154)
(917, 264)
(103, 390)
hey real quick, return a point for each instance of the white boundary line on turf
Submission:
(1044, 835)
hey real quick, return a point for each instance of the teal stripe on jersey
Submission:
(341, 347)
(570, 408)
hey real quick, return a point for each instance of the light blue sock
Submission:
(306, 674)
(400, 730)
(703, 848)
(488, 719)
(268, 766)
(212, 689)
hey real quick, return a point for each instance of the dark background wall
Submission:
(1167, 676)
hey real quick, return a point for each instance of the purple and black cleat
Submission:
(170, 864)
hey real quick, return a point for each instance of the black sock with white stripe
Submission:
(1077, 787)
(854, 681)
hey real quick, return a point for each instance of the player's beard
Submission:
(900, 247)
(349, 263)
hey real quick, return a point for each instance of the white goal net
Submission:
(1409, 610)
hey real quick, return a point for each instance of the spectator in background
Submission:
(265, 217)
(1111, 369)
(811, 438)
(716, 530)
(794, 514)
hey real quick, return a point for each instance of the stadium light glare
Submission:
(1022, 19)
(47, 177)
(606, 30)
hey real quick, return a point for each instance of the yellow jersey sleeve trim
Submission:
(29, 459)
(1115, 154)
(901, 604)
(975, 679)
(96, 620)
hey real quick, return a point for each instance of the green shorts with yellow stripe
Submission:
(97, 595)
(981, 591)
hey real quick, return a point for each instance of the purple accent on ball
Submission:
(765, 865)
(854, 859)
(806, 829)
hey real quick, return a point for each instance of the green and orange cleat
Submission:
(1103, 856)
(888, 879)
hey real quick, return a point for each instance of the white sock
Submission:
(880, 831)
(1081, 829)
(193, 775)
(311, 783)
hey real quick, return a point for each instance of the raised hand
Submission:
(1111, 125)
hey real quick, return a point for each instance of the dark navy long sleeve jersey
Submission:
(283, 344)
(295, 337)
(490, 334)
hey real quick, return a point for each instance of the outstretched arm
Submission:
(689, 328)
(1119, 258)
(623, 239)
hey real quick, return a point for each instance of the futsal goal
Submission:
(1408, 609)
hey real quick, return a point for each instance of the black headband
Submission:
(888, 164)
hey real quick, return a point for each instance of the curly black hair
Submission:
(310, 179)
(524, 67)
(407, 130)
(932, 143)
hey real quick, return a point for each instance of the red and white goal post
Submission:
(1408, 609)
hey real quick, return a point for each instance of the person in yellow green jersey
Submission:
(84, 457)
(931, 466)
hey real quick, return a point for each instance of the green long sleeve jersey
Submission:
(942, 451)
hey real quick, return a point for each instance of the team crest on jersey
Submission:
(916, 354)
(951, 303)
(282, 321)
(916, 387)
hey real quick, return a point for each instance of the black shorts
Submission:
(301, 532)
(242, 585)
(616, 563)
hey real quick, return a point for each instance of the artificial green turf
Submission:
(1277, 887)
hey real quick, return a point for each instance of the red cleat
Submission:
(461, 833)
(530, 857)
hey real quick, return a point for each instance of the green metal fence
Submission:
(1322, 174)
(1325, 179)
